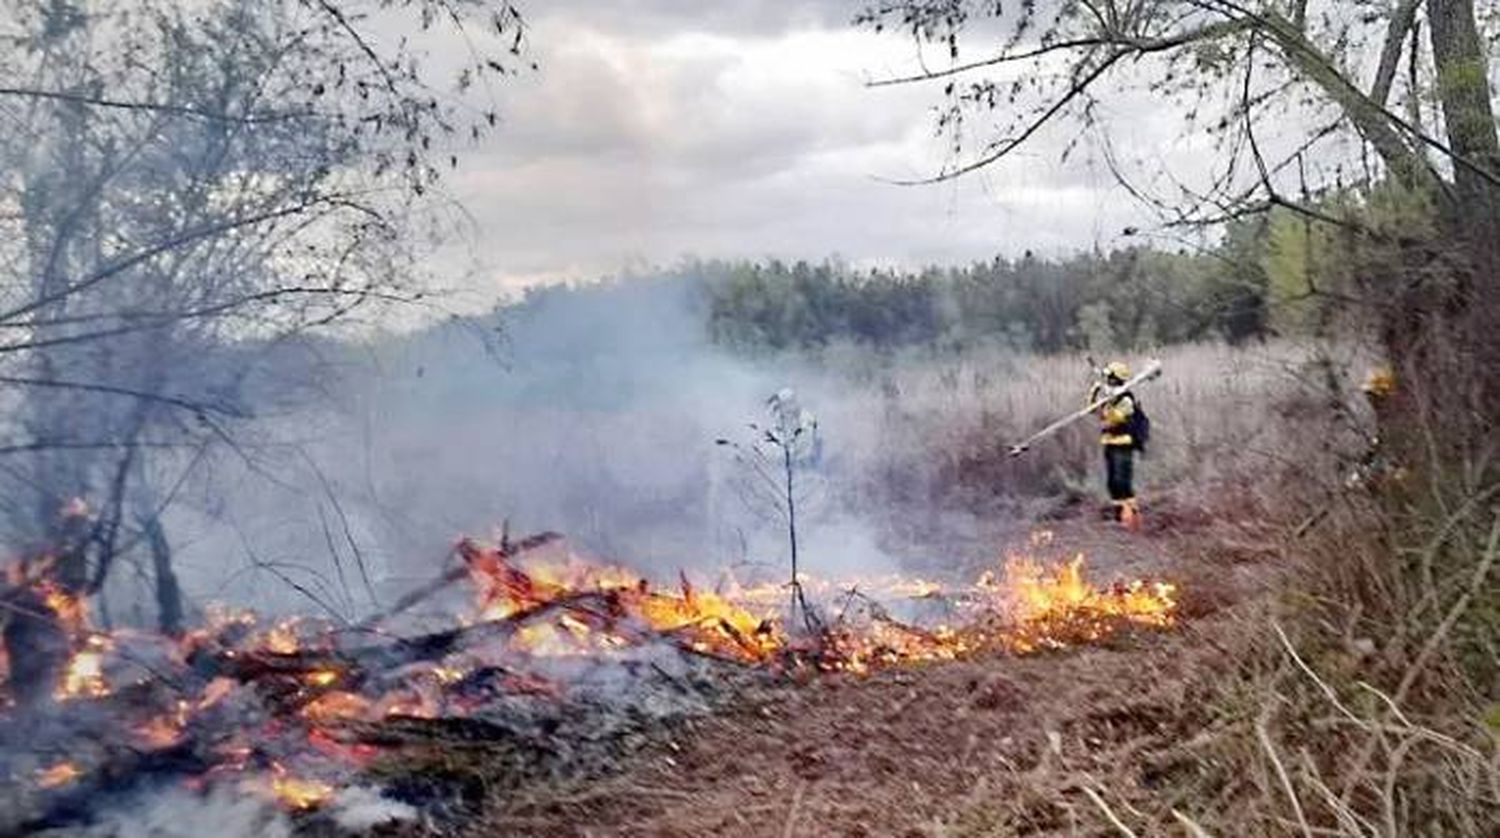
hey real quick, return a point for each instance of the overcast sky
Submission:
(659, 129)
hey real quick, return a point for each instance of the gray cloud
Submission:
(733, 17)
(657, 129)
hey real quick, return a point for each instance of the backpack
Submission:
(1139, 426)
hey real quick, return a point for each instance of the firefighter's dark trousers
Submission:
(1119, 472)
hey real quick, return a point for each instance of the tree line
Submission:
(1274, 275)
(1252, 285)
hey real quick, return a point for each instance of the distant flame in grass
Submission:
(59, 775)
(1025, 607)
(298, 793)
(1058, 608)
(166, 729)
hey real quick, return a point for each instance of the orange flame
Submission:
(164, 731)
(337, 705)
(1028, 607)
(322, 678)
(84, 677)
(702, 621)
(282, 638)
(1060, 608)
(298, 793)
(568, 607)
(62, 774)
(71, 610)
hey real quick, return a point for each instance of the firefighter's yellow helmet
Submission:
(1117, 369)
(1379, 382)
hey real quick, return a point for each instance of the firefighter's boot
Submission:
(1129, 514)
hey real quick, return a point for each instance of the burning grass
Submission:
(298, 709)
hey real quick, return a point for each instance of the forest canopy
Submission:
(1255, 284)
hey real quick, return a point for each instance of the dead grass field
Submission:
(988, 746)
(936, 431)
(1249, 718)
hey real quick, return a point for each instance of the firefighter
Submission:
(1117, 435)
(1376, 467)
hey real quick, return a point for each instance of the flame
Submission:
(336, 705)
(62, 774)
(71, 610)
(1023, 608)
(356, 754)
(298, 793)
(164, 731)
(702, 621)
(418, 700)
(1060, 608)
(84, 677)
(447, 674)
(322, 678)
(282, 639)
(216, 691)
(567, 607)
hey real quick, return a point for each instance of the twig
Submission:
(272, 569)
(1192, 827)
(1108, 813)
(1350, 823)
(853, 591)
(1264, 737)
(1429, 553)
(1332, 696)
(1312, 521)
(1407, 726)
(402, 651)
(338, 509)
(1431, 646)
(408, 600)
(791, 816)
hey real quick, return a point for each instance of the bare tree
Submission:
(1274, 83)
(184, 187)
(775, 480)
(1304, 108)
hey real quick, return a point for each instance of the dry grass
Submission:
(1363, 696)
(1365, 703)
(936, 432)
(1370, 711)
(1336, 675)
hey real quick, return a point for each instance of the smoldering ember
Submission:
(802, 418)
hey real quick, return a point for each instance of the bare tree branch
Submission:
(1402, 18)
(198, 409)
(1142, 46)
(1007, 146)
(152, 107)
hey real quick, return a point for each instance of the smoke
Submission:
(359, 809)
(593, 412)
(226, 811)
(173, 812)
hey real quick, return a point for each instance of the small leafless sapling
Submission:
(775, 478)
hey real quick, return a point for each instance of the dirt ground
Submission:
(994, 745)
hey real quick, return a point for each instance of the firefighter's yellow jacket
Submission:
(1114, 417)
